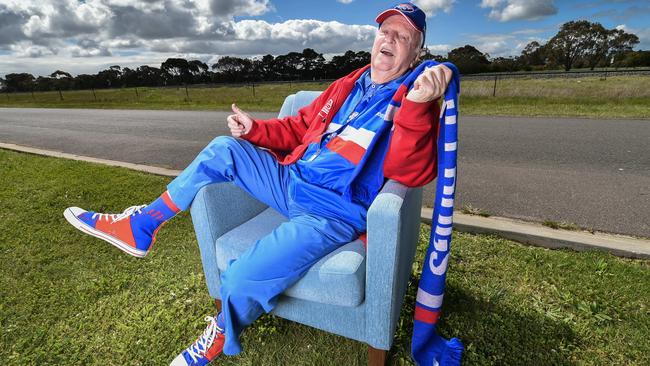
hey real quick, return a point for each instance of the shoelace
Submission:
(200, 347)
(117, 217)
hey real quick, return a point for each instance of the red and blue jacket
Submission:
(318, 133)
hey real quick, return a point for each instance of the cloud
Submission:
(624, 14)
(345, 1)
(642, 33)
(431, 7)
(253, 37)
(439, 49)
(504, 45)
(11, 25)
(507, 10)
(63, 30)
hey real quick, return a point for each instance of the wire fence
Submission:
(484, 84)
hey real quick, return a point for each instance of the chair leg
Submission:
(376, 357)
(217, 302)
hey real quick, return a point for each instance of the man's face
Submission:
(395, 46)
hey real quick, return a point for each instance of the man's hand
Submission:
(430, 84)
(240, 122)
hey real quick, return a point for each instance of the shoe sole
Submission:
(85, 228)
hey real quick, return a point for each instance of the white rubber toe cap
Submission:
(179, 361)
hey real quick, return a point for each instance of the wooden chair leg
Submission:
(376, 357)
(217, 302)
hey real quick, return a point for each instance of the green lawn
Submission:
(589, 97)
(68, 299)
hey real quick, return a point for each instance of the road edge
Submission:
(519, 231)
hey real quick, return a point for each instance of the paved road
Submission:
(595, 173)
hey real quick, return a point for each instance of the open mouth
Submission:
(386, 52)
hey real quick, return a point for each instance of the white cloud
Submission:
(431, 7)
(345, 1)
(642, 33)
(439, 49)
(506, 10)
(54, 37)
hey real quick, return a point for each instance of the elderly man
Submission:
(319, 168)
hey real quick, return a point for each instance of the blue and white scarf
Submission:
(427, 346)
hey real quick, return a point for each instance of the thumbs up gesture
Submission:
(240, 122)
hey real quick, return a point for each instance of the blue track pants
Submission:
(251, 284)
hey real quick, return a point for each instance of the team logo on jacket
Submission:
(326, 108)
(405, 7)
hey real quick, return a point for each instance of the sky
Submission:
(77, 36)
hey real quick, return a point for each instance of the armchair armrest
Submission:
(393, 230)
(217, 209)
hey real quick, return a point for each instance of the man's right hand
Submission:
(240, 122)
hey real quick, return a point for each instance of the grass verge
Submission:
(68, 299)
(589, 97)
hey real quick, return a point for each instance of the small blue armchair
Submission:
(352, 292)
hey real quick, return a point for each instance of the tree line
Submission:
(578, 44)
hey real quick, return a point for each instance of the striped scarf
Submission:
(427, 347)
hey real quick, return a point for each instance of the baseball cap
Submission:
(412, 13)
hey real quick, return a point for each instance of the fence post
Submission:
(33, 94)
(187, 94)
(137, 96)
(494, 90)
(253, 85)
(94, 95)
(60, 94)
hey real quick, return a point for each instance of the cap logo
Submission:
(405, 7)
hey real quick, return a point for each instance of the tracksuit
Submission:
(321, 169)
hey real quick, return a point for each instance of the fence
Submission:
(602, 74)
(185, 93)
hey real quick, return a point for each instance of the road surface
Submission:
(594, 173)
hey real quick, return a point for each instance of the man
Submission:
(321, 169)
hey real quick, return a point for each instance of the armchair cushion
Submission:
(336, 279)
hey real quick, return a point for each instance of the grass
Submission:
(471, 210)
(588, 97)
(561, 225)
(68, 299)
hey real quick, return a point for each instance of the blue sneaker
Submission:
(208, 347)
(131, 231)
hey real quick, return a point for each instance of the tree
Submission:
(469, 60)
(598, 45)
(289, 66)
(177, 70)
(533, 55)
(62, 80)
(504, 64)
(574, 41)
(632, 59)
(621, 43)
(45, 84)
(150, 76)
(264, 68)
(588, 44)
(198, 70)
(85, 81)
(346, 63)
(233, 69)
(312, 64)
(21, 82)
(427, 55)
(109, 78)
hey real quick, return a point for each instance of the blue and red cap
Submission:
(412, 13)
